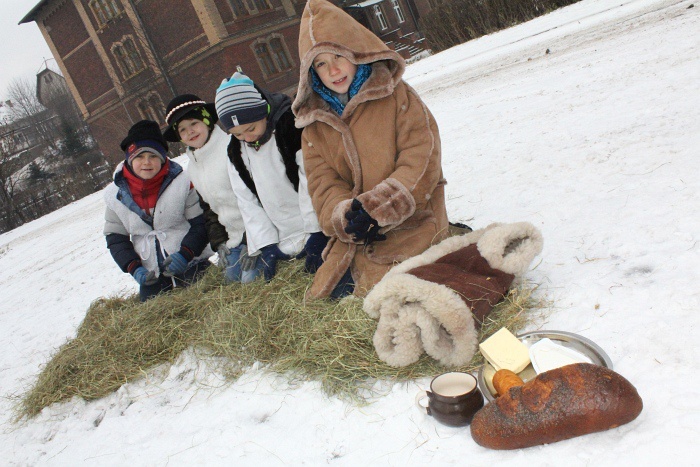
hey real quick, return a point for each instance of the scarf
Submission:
(145, 192)
(361, 75)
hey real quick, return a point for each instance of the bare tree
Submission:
(24, 105)
(9, 179)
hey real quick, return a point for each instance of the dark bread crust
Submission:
(558, 404)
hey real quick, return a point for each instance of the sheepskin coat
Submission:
(383, 150)
(167, 230)
(208, 169)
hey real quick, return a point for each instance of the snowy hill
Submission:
(585, 122)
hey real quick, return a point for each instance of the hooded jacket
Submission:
(383, 150)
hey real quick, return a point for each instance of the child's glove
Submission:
(270, 254)
(361, 225)
(246, 261)
(143, 276)
(223, 252)
(176, 263)
(312, 250)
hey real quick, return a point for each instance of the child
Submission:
(153, 223)
(267, 175)
(193, 122)
(371, 151)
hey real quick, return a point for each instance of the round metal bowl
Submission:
(567, 339)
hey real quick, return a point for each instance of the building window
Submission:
(19, 140)
(280, 54)
(380, 17)
(248, 7)
(104, 10)
(128, 57)
(238, 7)
(151, 108)
(272, 55)
(262, 53)
(259, 5)
(399, 12)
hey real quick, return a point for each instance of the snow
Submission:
(595, 142)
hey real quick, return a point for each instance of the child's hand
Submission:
(143, 276)
(361, 225)
(246, 261)
(175, 264)
(312, 250)
(270, 254)
(223, 252)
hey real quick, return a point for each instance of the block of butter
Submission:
(505, 351)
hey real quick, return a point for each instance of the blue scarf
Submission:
(361, 75)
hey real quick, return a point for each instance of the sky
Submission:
(23, 51)
(584, 122)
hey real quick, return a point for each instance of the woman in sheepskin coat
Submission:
(383, 150)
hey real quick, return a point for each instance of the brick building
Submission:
(123, 60)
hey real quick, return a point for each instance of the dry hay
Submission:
(270, 323)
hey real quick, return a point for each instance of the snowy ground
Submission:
(595, 142)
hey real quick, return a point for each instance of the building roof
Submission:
(34, 12)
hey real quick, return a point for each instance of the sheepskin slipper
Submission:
(436, 301)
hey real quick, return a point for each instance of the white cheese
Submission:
(505, 351)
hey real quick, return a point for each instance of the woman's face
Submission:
(250, 132)
(194, 133)
(336, 72)
(146, 165)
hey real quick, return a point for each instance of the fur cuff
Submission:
(417, 315)
(389, 203)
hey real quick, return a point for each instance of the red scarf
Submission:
(145, 192)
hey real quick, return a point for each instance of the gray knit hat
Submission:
(238, 102)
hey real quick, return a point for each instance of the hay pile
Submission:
(271, 323)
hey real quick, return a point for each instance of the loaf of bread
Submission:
(563, 403)
(504, 380)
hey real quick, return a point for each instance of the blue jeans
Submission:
(233, 271)
(193, 272)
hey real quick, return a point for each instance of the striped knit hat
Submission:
(238, 102)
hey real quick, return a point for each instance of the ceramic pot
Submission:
(454, 398)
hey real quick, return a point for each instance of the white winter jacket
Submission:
(281, 215)
(175, 205)
(208, 169)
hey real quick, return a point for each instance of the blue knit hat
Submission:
(238, 102)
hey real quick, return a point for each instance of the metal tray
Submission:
(567, 339)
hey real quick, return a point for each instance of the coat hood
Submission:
(325, 28)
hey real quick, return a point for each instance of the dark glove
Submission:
(176, 263)
(246, 261)
(312, 250)
(143, 276)
(270, 254)
(361, 225)
(223, 252)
